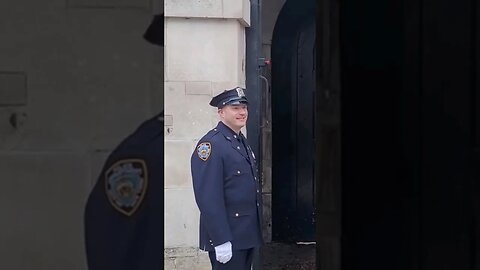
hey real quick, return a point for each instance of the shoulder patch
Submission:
(204, 150)
(126, 184)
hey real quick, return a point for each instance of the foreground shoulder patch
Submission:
(126, 184)
(204, 150)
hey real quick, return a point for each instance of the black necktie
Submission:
(244, 143)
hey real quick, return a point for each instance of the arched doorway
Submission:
(293, 123)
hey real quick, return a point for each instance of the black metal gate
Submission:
(293, 123)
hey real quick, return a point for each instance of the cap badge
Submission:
(240, 92)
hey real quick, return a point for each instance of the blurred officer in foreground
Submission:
(227, 188)
(124, 213)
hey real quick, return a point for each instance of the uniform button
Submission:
(238, 147)
(210, 241)
(214, 129)
(255, 178)
(235, 136)
(238, 172)
(258, 191)
(258, 204)
(236, 214)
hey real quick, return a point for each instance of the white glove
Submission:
(223, 252)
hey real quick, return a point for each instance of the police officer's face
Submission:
(234, 116)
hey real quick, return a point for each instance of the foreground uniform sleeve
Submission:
(123, 220)
(107, 232)
(208, 185)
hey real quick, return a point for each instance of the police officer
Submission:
(123, 217)
(226, 187)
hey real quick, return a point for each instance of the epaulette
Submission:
(211, 134)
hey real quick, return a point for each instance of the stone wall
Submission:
(204, 54)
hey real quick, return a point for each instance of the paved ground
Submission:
(277, 256)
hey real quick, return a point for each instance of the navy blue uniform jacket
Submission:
(227, 191)
(124, 212)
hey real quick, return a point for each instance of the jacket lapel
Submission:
(235, 143)
(250, 154)
(238, 147)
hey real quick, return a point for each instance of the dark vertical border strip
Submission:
(473, 129)
(473, 72)
(318, 78)
(411, 130)
(295, 122)
(421, 4)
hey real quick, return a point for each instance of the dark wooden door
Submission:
(293, 138)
